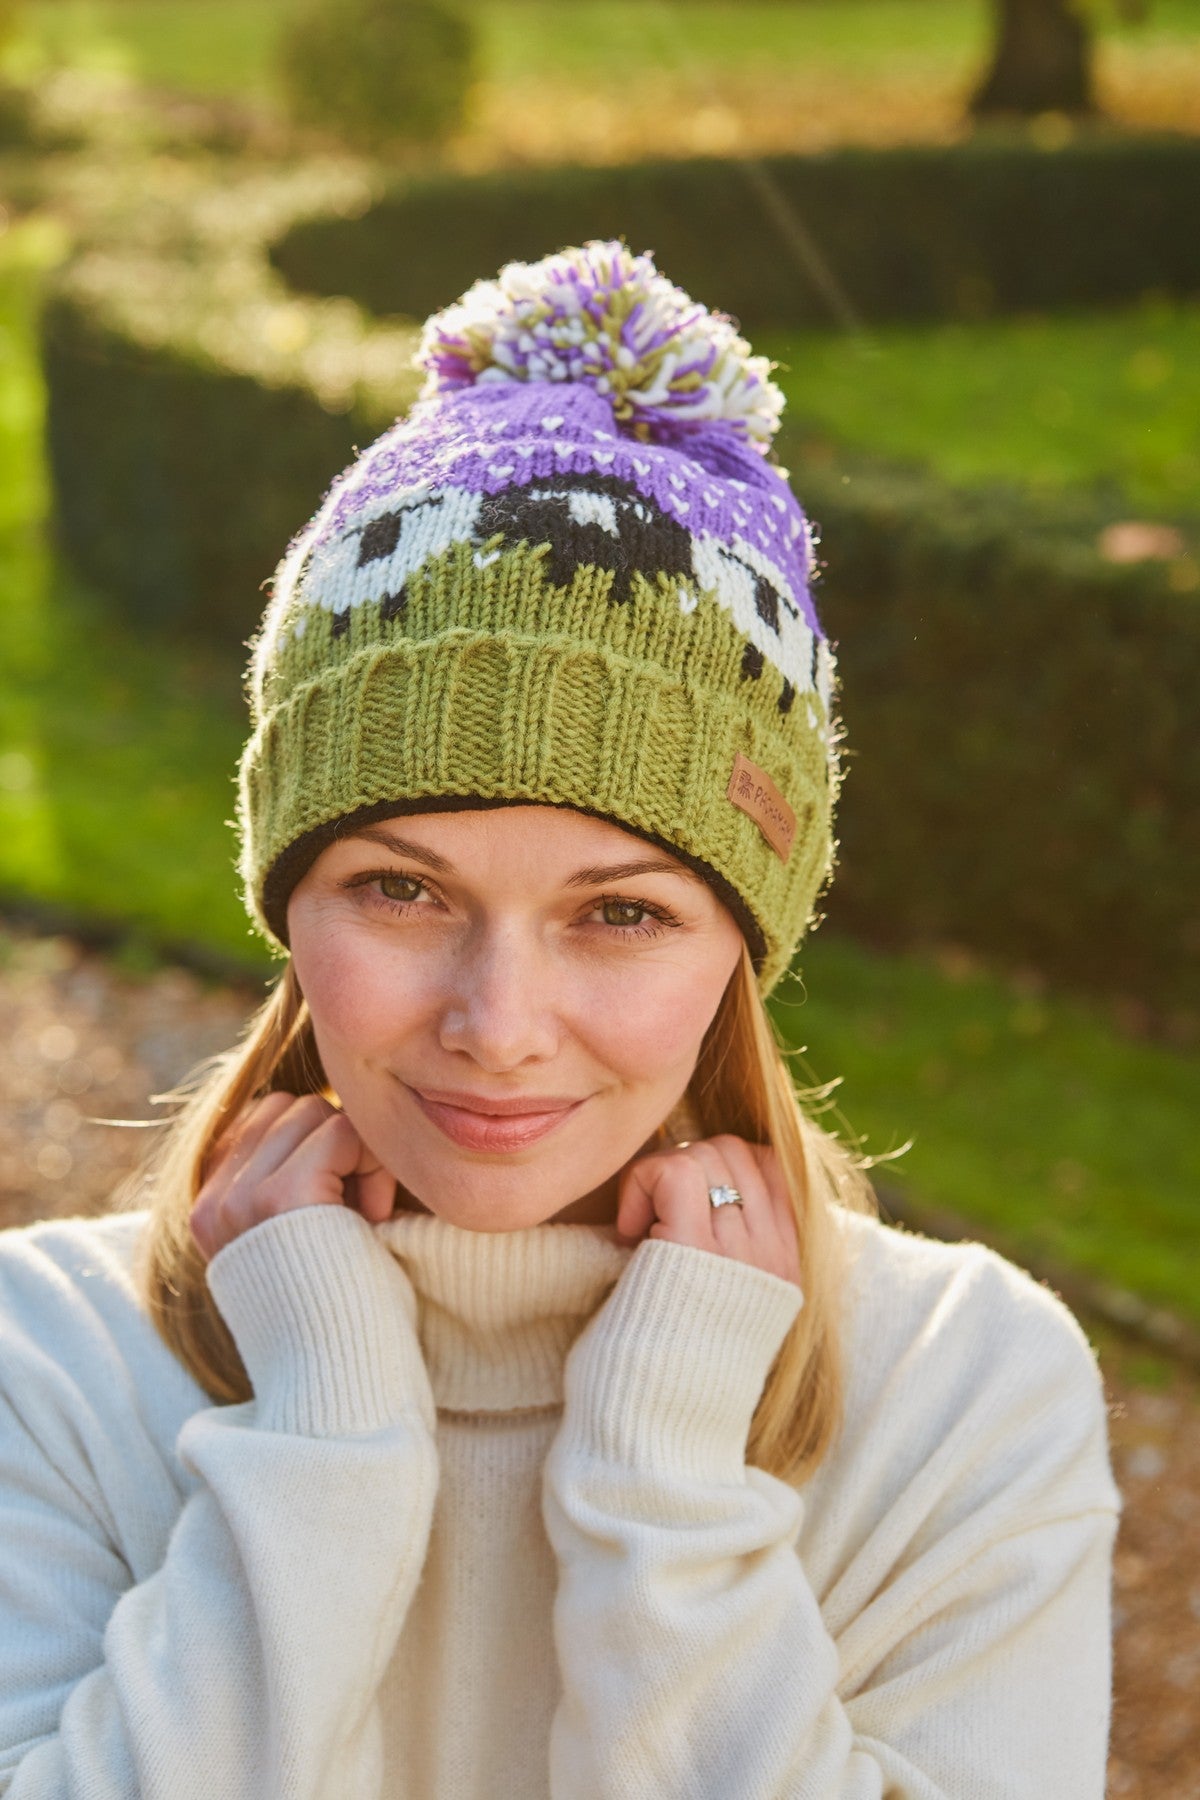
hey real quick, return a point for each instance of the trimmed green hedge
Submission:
(1024, 775)
(992, 225)
(196, 410)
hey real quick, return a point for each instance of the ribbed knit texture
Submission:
(500, 1310)
(505, 598)
(316, 1372)
(572, 1586)
(708, 1313)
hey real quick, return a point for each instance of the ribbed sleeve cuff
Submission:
(325, 1320)
(674, 1364)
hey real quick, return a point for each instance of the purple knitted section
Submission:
(490, 437)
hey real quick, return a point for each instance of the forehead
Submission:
(549, 837)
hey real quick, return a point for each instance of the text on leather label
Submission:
(754, 793)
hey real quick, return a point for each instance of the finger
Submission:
(742, 1172)
(778, 1186)
(771, 1221)
(780, 1206)
(751, 1232)
(680, 1193)
(659, 1184)
(246, 1128)
(270, 1139)
(790, 1219)
(670, 1189)
(716, 1168)
(371, 1189)
(270, 1179)
(313, 1175)
(635, 1197)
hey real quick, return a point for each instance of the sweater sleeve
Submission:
(695, 1658)
(247, 1665)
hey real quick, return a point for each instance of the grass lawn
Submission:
(1031, 1116)
(225, 46)
(601, 79)
(1047, 402)
(1027, 1114)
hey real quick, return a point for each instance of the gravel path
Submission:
(83, 1040)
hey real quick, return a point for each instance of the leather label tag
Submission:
(754, 793)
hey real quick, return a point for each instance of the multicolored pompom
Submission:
(602, 316)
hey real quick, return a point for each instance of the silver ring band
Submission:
(724, 1196)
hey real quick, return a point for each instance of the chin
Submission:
(488, 1216)
(495, 1196)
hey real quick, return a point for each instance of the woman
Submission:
(507, 1391)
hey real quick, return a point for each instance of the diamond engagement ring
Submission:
(725, 1196)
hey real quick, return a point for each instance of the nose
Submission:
(499, 1007)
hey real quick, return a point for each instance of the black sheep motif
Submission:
(593, 520)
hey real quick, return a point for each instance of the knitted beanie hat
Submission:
(569, 576)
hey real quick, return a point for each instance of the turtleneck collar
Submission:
(497, 1311)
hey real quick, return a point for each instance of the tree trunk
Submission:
(1042, 61)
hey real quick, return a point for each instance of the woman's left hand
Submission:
(665, 1195)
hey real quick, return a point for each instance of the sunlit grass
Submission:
(1049, 402)
(225, 45)
(1028, 1115)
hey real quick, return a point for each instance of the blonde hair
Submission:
(741, 1085)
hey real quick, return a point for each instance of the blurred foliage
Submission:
(379, 74)
(17, 116)
(115, 762)
(909, 233)
(198, 409)
(15, 104)
(1024, 774)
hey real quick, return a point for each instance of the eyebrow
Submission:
(375, 834)
(595, 876)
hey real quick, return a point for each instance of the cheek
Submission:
(358, 1001)
(652, 1030)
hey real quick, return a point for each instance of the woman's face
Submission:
(508, 1002)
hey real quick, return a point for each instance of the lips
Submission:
(475, 1122)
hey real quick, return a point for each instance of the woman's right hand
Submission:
(280, 1153)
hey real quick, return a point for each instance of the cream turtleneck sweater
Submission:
(487, 1532)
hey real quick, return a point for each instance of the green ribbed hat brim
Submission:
(542, 719)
